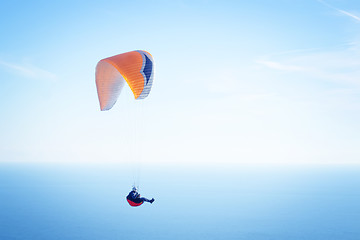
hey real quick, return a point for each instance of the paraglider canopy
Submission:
(134, 68)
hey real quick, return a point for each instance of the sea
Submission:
(253, 202)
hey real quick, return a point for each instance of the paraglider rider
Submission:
(134, 198)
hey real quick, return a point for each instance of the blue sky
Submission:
(236, 82)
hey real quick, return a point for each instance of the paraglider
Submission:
(136, 69)
(135, 199)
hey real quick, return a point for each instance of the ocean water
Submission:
(69, 201)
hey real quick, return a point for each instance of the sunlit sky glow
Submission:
(237, 82)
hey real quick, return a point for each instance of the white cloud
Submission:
(353, 16)
(29, 71)
(349, 14)
(336, 66)
(280, 66)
